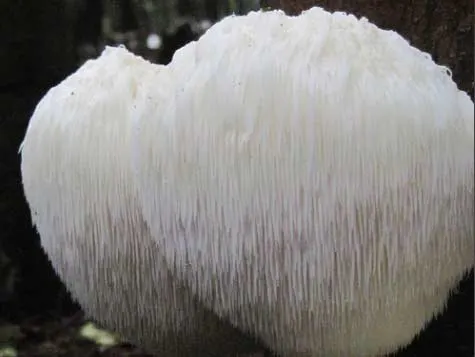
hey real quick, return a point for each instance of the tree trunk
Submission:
(443, 28)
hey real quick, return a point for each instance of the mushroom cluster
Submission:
(303, 183)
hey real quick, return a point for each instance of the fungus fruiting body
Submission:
(311, 181)
(79, 185)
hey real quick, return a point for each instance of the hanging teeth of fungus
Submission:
(312, 181)
(80, 188)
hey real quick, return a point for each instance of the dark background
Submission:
(41, 42)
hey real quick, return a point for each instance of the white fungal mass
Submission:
(78, 179)
(311, 181)
(308, 179)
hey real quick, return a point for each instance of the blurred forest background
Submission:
(41, 42)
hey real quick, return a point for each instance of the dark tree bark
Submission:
(443, 28)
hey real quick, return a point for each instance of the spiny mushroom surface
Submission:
(312, 181)
(78, 182)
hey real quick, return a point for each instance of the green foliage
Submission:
(9, 334)
(102, 338)
(8, 351)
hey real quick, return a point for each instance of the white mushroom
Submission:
(79, 185)
(312, 181)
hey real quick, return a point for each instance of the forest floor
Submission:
(49, 336)
(61, 337)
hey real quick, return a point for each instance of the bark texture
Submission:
(443, 28)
